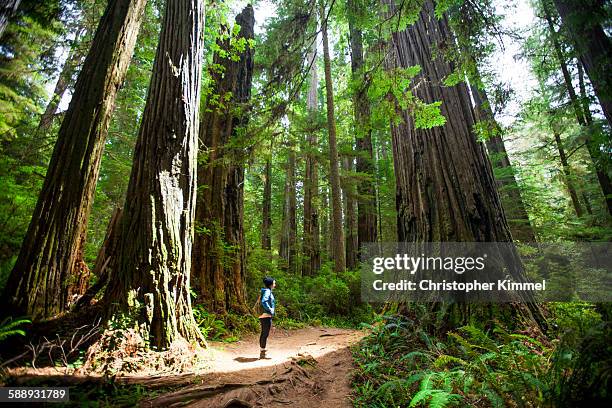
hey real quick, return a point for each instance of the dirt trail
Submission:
(307, 367)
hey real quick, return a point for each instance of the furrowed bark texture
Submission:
(151, 282)
(288, 239)
(7, 9)
(594, 47)
(509, 190)
(311, 245)
(219, 253)
(52, 245)
(366, 200)
(582, 117)
(445, 189)
(337, 243)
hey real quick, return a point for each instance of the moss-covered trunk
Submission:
(151, 282)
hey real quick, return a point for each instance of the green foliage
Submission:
(10, 327)
(402, 363)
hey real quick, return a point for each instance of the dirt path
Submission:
(307, 367)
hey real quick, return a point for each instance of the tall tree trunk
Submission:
(334, 172)
(219, 251)
(325, 241)
(582, 20)
(152, 278)
(366, 199)
(445, 189)
(7, 9)
(350, 218)
(288, 239)
(266, 222)
(581, 118)
(583, 94)
(51, 247)
(567, 172)
(510, 192)
(312, 246)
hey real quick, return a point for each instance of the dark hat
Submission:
(268, 281)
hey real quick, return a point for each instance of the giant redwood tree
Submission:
(445, 189)
(151, 280)
(54, 242)
(219, 253)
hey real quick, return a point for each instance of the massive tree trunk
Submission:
(582, 18)
(312, 246)
(219, 252)
(151, 281)
(582, 116)
(350, 218)
(266, 221)
(288, 239)
(52, 245)
(445, 189)
(334, 172)
(7, 9)
(366, 200)
(325, 231)
(509, 190)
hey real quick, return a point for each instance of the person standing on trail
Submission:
(265, 319)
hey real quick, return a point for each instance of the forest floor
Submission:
(307, 367)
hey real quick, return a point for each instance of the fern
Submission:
(10, 327)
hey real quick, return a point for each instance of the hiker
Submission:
(267, 303)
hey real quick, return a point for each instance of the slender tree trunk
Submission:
(516, 213)
(74, 60)
(348, 190)
(583, 95)
(567, 172)
(325, 241)
(445, 189)
(583, 120)
(582, 20)
(266, 222)
(311, 246)
(51, 247)
(219, 251)
(334, 173)
(7, 9)
(288, 240)
(152, 278)
(366, 199)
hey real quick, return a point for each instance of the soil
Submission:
(309, 367)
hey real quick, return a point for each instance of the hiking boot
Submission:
(262, 354)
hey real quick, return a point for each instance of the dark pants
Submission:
(266, 324)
